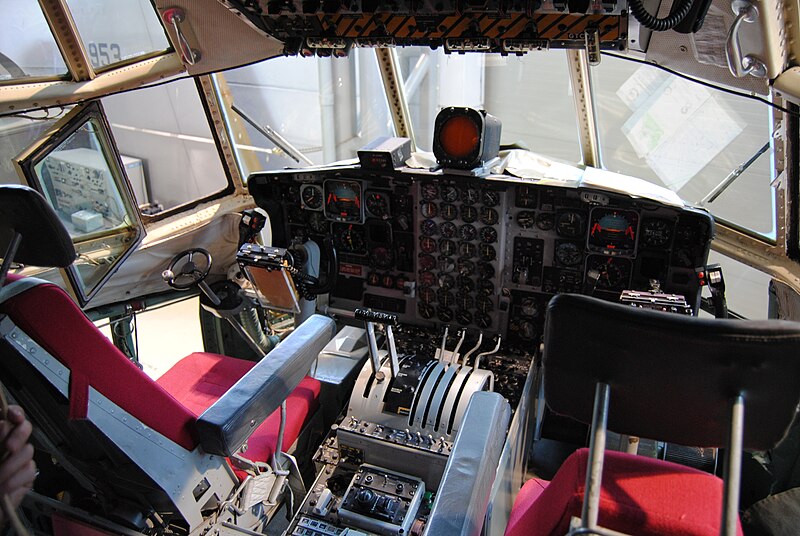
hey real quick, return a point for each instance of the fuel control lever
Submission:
(370, 318)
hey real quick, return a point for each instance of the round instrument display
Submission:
(426, 310)
(446, 265)
(470, 195)
(468, 232)
(445, 314)
(449, 193)
(487, 252)
(350, 239)
(485, 270)
(447, 247)
(445, 298)
(485, 287)
(427, 279)
(484, 304)
(427, 244)
(428, 210)
(468, 214)
(446, 281)
(381, 257)
(429, 191)
(545, 221)
(311, 196)
(448, 211)
(448, 229)
(488, 235)
(611, 273)
(427, 262)
(463, 317)
(568, 254)
(465, 283)
(570, 224)
(483, 320)
(656, 233)
(377, 204)
(489, 216)
(318, 223)
(465, 267)
(467, 250)
(429, 228)
(490, 198)
(427, 295)
(526, 219)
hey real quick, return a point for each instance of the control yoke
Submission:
(370, 318)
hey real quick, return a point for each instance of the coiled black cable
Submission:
(659, 25)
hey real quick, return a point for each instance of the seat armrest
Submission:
(225, 426)
(463, 496)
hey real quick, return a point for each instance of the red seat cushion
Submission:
(199, 379)
(639, 495)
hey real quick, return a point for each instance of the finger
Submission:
(16, 497)
(18, 437)
(21, 479)
(16, 414)
(15, 463)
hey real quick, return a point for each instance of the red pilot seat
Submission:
(170, 405)
(639, 495)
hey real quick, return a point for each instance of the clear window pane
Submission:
(324, 108)
(540, 116)
(27, 47)
(689, 138)
(166, 145)
(118, 31)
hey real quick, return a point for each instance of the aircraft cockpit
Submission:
(452, 267)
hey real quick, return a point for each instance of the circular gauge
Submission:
(545, 221)
(570, 224)
(490, 198)
(445, 298)
(489, 216)
(291, 193)
(468, 214)
(568, 254)
(529, 307)
(482, 320)
(613, 231)
(487, 253)
(448, 193)
(311, 195)
(448, 211)
(446, 281)
(484, 304)
(448, 229)
(427, 262)
(526, 330)
(470, 195)
(427, 295)
(350, 239)
(377, 204)
(427, 244)
(485, 270)
(465, 267)
(429, 228)
(446, 265)
(426, 311)
(387, 281)
(488, 235)
(427, 279)
(447, 247)
(381, 257)
(467, 232)
(526, 219)
(465, 284)
(373, 279)
(612, 273)
(485, 287)
(467, 250)
(318, 223)
(465, 301)
(463, 317)
(428, 210)
(445, 314)
(429, 191)
(656, 233)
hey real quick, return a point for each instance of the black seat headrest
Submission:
(672, 377)
(45, 240)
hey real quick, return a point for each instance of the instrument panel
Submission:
(481, 253)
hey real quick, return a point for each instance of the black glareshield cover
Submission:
(488, 146)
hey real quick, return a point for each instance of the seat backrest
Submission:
(671, 377)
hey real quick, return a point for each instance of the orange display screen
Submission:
(459, 136)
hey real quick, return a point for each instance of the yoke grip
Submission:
(376, 316)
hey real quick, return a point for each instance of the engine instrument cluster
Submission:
(482, 254)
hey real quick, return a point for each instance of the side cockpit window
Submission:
(75, 166)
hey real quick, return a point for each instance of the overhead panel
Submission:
(332, 27)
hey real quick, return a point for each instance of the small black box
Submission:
(385, 153)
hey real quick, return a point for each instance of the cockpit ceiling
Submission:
(331, 27)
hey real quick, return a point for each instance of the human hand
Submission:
(17, 468)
